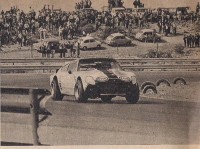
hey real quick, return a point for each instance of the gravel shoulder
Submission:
(179, 92)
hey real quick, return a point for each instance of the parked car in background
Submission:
(88, 42)
(94, 78)
(51, 45)
(114, 11)
(118, 39)
(136, 11)
(148, 35)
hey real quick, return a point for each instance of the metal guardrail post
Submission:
(34, 108)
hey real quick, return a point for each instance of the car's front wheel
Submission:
(55, 91)
(79, 93)
(85, 48)
(133, 95)
(106, 99)
(98, 46)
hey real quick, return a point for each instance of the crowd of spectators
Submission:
(83, 4)
(66, 49)
(191, 40)
(16, 26)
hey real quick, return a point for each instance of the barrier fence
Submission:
(126, 63)
(34, 105)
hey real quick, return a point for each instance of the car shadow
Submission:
(98, 101)
(95, 49)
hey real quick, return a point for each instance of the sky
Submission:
(68, 5)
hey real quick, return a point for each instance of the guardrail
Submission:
(126, 63)
(121, 60)
(34, 105)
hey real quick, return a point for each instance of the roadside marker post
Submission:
(34, 110)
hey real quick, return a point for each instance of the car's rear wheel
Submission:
(98, 46)
(79, 93)
(133, 95)
(85, 48)
(55, 91)
(128, 43)
(106, 99)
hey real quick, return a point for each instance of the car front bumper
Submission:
(109, 88)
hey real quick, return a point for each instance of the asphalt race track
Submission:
(41, 80)
(150, 122)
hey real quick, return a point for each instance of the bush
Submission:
(179, 49)
(157, 54)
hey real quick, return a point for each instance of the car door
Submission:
(120, 40)
(117, 40)
(123, 40)
(68, 79)
(93, 44)
(86, 43)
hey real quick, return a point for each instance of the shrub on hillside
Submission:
(179, 49)
(157, 54)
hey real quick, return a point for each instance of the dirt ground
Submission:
(179, 92)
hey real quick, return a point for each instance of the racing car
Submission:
(94, 78)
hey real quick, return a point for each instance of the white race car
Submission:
(94, 78)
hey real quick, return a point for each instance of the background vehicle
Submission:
(136, 11)
(88, 43)
(147, 35)
(94, 78)
(118, 39)
(52, 44)
(114, 11)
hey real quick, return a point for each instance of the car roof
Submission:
(96, 59)
(117, 34)
(86, 38)
(118, 8)
(147, 30)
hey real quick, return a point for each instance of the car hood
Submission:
(111, 73)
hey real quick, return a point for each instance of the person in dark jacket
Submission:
(185, 40)
(189, 38)
(193, 41)
(197, 38)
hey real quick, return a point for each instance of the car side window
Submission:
(122, 37)
(92, 40)
(86, 41)
(72, 67)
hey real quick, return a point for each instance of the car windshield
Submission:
(99, 64)
(110, 37)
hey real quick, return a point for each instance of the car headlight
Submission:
(124, 78)
(133, 79)
(90, 80)
(102, 79)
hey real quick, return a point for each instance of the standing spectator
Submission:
(193, 41)
(44, 31)
(197, 40)
(40, 30)
(20, 39)
(43, 50)
(71, 46)
(173, 28)
(68, 49)
(185, 40)
(61, 47)
(190, 40)
(60, 32)
(78, 50)
(48, 50)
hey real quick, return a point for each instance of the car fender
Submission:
(52, 77)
